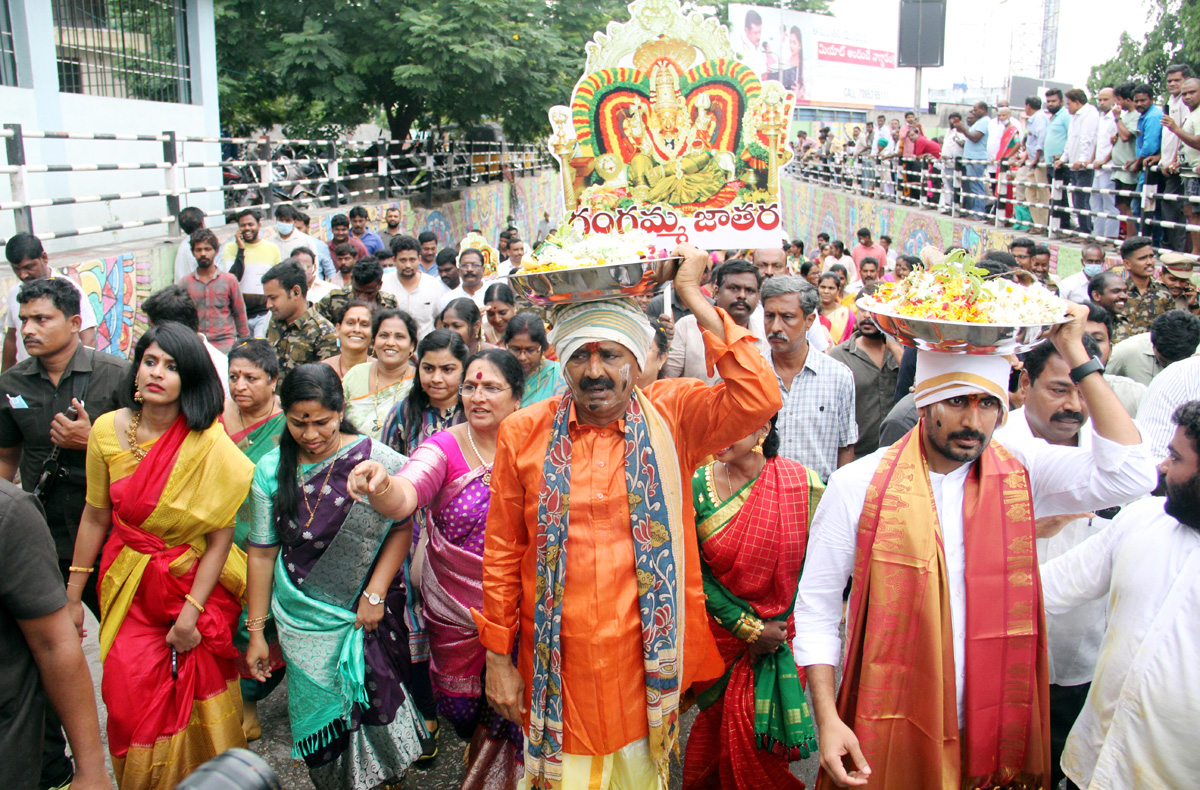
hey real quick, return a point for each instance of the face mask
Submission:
(284, 228)
(1092, 269)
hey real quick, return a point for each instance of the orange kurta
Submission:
(604, 694)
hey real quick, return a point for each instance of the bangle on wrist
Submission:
(386, 488)
(77, 569)
(194, 602)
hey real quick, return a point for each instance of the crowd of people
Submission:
(355, 465)
(1122, 163)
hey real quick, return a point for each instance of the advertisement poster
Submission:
(821, 59)
(668, 132)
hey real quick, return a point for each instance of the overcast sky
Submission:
(985, 38)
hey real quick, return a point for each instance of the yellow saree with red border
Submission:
(898, 692)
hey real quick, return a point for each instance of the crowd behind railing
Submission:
(1118, 168)
(259, 172)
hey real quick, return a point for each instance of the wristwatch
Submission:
(1093, 365)
(372, 598)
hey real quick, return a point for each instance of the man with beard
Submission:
(416, 292)
(1108, 290)
(359, 230)
(248, 260)
(937, 530)
(1137, 725)
(339, 228)
(1055, 413)
(365, 283)
(874, 360)
(738, 282)
(447, 268)
(391, 219)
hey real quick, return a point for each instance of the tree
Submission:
(1173, 38)
(332, 63)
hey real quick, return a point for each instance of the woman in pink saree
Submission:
(448, 475)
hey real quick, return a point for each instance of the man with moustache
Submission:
(1135, 728)
(874, 361)
(339, 228)
(428, 252)
(934, 531)
(470, 272)
(817, 422)
(738, 282)
(366, 283)
(391, 219)
(416, 292)
(216, 294)
(1108, 290)
(248, 260)
(611, 466)
(1055, 413)
(297, 331)
(447, 268)
(29, 262)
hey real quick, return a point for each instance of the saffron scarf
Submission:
(656, 520)
(898, 692)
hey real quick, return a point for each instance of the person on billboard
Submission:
(792, 76)
(751, 49)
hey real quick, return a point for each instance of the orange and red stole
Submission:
(898, 691)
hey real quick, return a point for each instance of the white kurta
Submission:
(420, 303)
(1063, 479)
(1138, 727)
(1074, 636)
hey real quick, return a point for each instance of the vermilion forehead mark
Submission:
(593, 347)
(478, 375)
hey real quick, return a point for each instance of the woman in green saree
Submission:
(525, 338)
(753, 509)
(326, 570)
(253, 420)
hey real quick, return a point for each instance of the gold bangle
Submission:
(194, 602)
(77, 569)
(256, 630)
(385, 490)
(257, 620)
(75, 584)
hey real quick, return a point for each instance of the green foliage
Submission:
(1173, 38)
(332, 63)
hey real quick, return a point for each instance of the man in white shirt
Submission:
(1075, 286)
(751, 49)
(288, 238)
(29, 262)
(1055, 413)
(470, 274)
(967, 504)
(191, 219)
(952, 150)
(1081, 152)
(1172, 210)
(1103, 202)
(318, 289)
(416, 293)
(1170, 389)
(1138, 726)
(737, 284)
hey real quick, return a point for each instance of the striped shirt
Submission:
(1169, 390)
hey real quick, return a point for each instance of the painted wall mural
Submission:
(810, 209)
(117, 285)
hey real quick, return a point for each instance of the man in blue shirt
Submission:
(358, 229)
(1149, 150)
(1053, 149)
(1034, 171)
(975, 149)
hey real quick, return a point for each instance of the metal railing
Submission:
(944, 184)
(263, 173)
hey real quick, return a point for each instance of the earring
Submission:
(137, 394)
(758, 447)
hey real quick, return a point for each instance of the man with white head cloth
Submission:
(611, 622)
(945, 681)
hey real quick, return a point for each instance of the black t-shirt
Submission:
(29, 403)
(30, 587)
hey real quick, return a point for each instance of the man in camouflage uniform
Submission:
(1147, 296)
(298, 333)
(366, 280)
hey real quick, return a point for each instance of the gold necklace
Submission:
(487, 474)
(375, 395)
(131, 434)
(242, 420)
(312, 509)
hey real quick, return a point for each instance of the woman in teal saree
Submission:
(326, 570)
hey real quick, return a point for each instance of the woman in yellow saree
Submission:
(166, 478)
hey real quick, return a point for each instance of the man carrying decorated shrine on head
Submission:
(591, 569)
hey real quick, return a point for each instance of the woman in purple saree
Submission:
(448, 476)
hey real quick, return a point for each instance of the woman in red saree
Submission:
(166, 478)
(753, 509)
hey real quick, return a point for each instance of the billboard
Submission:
(822, 59)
